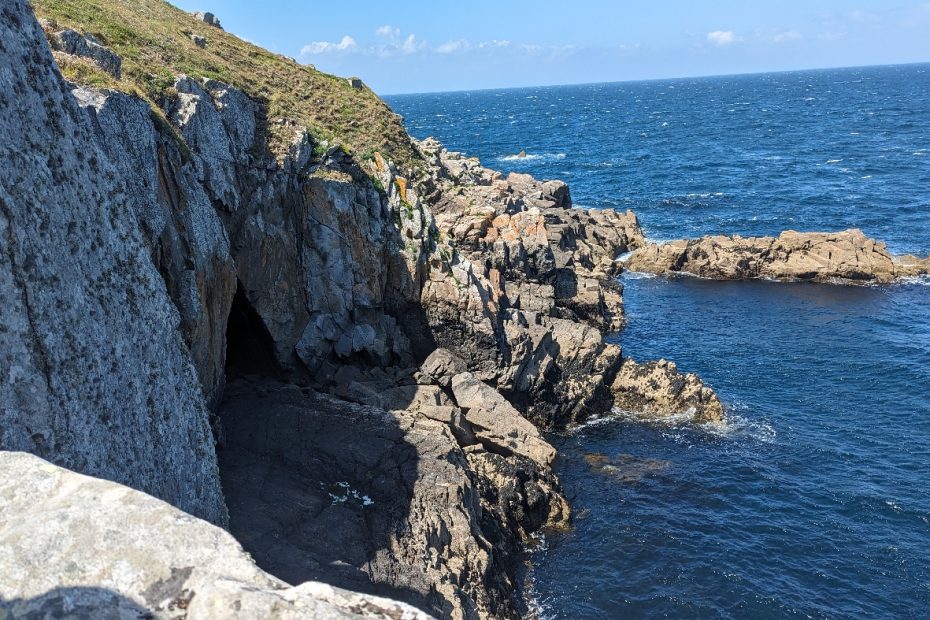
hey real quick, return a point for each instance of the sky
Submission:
(416, 46)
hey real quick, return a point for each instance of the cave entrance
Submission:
(249, 345)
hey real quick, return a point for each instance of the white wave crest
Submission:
(528, 157)
(923, 280)
(733, 425)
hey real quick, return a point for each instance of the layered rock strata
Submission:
(847, 257)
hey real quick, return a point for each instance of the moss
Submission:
(153, 39)
(408, 209)
(379, 186)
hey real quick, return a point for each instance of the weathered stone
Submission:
(660, 390)
(520, 273)
(499, 426)
(441, 366)
(186, 236)
(847, 257)
(95, 373)
(86, 46)
(377, 501)
(82, 547)
(208, 18)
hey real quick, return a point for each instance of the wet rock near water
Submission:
(660, 390)
(847, 257)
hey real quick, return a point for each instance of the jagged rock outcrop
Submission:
(76, 546)
(208, 18)
(523, 286)
(149, 248)
(87, 46)
(660, 390)
(845, 257)
(95, 375)
(402, 478)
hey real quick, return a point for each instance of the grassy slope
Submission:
(152, 38)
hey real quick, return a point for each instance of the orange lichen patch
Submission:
(401, 183)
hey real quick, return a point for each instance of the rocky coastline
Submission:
(343, 360)
(247, 370)
(846, 257)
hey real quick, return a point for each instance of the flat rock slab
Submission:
(82, 547)
(353, 495)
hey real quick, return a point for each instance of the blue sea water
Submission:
(814, 499)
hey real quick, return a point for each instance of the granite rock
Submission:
(847, 257)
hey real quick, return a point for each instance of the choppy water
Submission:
(814, 500)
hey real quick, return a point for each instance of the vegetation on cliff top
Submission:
(153, 39)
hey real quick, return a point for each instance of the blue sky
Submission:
(416, 46)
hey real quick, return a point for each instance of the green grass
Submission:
(152, 38)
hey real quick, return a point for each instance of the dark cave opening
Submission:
(249, 345)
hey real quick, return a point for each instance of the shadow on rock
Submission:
(316, 486)
(74, 603)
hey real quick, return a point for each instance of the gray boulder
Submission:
(208, 18)
(82, 547)
(86, 46)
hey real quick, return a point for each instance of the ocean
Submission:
(813, 500)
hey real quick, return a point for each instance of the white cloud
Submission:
(721, 38)
(388, 32)
(494, 43)
(450, 47)
(787, 36)
(411, 46)
(391, 41)
(347, 44)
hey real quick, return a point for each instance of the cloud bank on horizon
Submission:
(420, 47)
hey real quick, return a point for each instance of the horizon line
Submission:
(656, 79)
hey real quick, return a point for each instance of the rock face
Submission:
(85, 46)
(844, 257)
(390, 338)
(81, 547)
(523, 285)
(95, 374)
(395, 482)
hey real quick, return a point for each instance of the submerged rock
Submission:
(626, 467)
(844, 257)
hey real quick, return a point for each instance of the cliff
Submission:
(202, 236)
